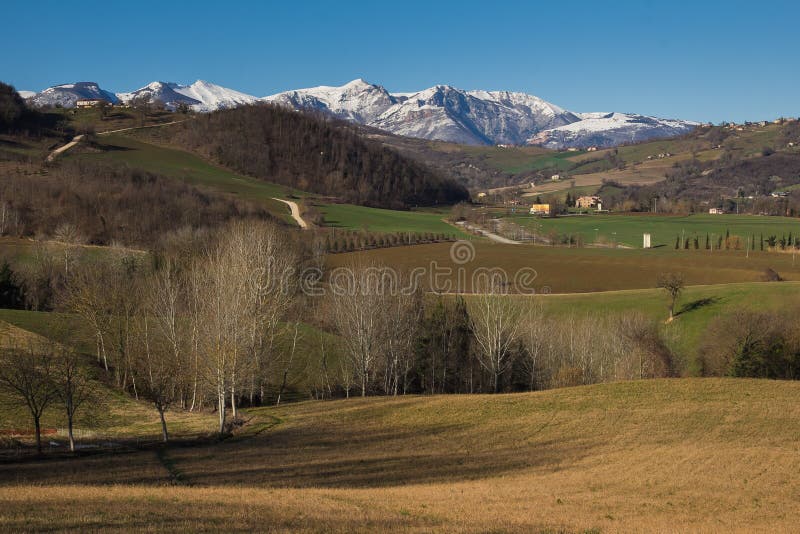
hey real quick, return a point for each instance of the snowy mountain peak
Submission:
(66, 95)
(200, 96)
(357, 101)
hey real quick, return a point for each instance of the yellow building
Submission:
(540, 209)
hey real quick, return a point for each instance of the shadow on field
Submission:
(339, 458)
(697, 304)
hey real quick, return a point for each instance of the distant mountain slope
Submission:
(356, 101)
(67, 94)
(610, 129)
(163, 92)
(446, 113)
(441, 112)
(200, 96)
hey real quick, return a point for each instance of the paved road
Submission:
(295, 212)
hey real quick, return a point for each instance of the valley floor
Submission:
(659, 455)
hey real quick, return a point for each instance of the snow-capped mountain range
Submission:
(200, 96)
(441, 112)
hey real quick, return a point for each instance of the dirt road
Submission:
(59, 150)
(295, 212)
(492, 237)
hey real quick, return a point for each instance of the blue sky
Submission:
(696, 60)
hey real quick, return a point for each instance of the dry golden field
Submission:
(711, 455)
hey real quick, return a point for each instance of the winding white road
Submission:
(492, 237)
(59, 150)
(295, 212)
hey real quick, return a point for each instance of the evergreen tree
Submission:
(11, 295)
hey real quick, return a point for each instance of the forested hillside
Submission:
(103, 204)
(316, 154)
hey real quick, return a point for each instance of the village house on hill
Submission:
(589, 202)
(90, 102)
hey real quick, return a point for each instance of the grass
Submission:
(660, 455)
(628, 229)
(381, 220)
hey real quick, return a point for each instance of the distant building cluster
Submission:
(91, 102)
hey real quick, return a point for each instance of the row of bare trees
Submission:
(39, 374)
(191, 330)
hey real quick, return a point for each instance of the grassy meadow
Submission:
(658, 455)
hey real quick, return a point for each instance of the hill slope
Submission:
(313, 154)
(661, 455)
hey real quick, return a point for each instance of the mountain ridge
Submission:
(441, 112)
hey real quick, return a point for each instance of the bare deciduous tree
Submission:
(359, 314)
(673, 284)
(248, 283)
(27, 373)
(495, 318)
(72, 385)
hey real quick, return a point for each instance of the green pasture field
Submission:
(381, 220)
(628, 229)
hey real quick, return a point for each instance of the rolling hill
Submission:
(681, 454)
